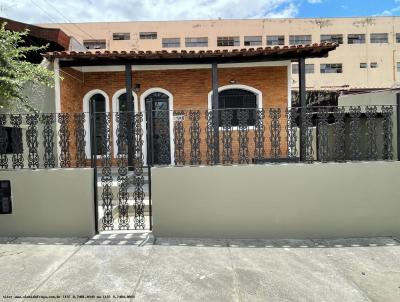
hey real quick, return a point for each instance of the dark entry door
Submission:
(157, 129)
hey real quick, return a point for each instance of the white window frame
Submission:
(86, 110)
(258, 93)
(115, 109)
(171, 120)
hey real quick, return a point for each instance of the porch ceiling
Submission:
(91, 58)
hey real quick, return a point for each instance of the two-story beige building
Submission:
(368, 56)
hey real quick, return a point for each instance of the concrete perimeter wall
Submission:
(50, 203)
(278, 201)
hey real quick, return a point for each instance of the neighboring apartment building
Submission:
(368, 56)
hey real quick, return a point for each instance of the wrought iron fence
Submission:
(122, 146)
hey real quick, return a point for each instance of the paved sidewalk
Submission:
(199, 270)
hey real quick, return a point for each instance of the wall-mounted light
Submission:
(232, 81)
(136, 88)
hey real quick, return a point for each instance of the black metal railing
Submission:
(121, 147)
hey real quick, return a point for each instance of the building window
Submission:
(252, 40)
(374, 65)
(379, 38)
(363, 65)
(299, 39)
(332, 39)
(275, 40)
(228, 41)
(331, 68)
(100, 117)
(94, 44)
(398, 66)
(397, 38)
(196, 42)
(121, 36)
(11, 140)
(171, 42)
(236, 99)
(356, 39)
(309, 68)
(151, 35)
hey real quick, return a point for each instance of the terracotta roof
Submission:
(54, 35)
(288, 52)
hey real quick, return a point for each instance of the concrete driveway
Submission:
(136, 267)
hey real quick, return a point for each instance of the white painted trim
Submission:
(86, 110)
(171, 121)
(180, 66)
(115, 109)
(258, 93)
(57, 96)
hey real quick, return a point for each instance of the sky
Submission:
(50, 11)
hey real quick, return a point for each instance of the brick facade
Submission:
(190, 90)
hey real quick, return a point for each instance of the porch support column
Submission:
(130, 109)
(302, 99)
(215, 106)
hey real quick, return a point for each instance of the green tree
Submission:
(16, 72)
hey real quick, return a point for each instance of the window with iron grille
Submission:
(252, 40)
(13, 139)
(332, 39)
(363, 65)
(276, 40)
(171, 42)
(228, 41)
(300, 39)
(236, 99)
(332, 68)
(121, 36)
(356, 39)
(398, 66)
(196, 42)
(397, 38)
(95, 44)
(379, 38)
(374, 65)
(150, 35)
(309, 68)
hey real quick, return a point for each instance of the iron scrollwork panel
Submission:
(227, 153)
(275, 133)
(307, 133)
(179, 137)
(64, 142)
(32, 121)
(80, 134)
(340, 134)
(106, 175)
(17, 145)
(243, 131)
(122, 162)
(259, 130)
(3, 142)
(48, 121)
(387, 112)
(291, 130)
(372, 149)
(355, 133)
(138, 176)
(323, 150)
(210, 137)
(195, 130)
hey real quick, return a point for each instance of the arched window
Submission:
(236, 99)
(119, 104)
(97, 105)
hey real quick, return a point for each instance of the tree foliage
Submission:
(16, 72)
